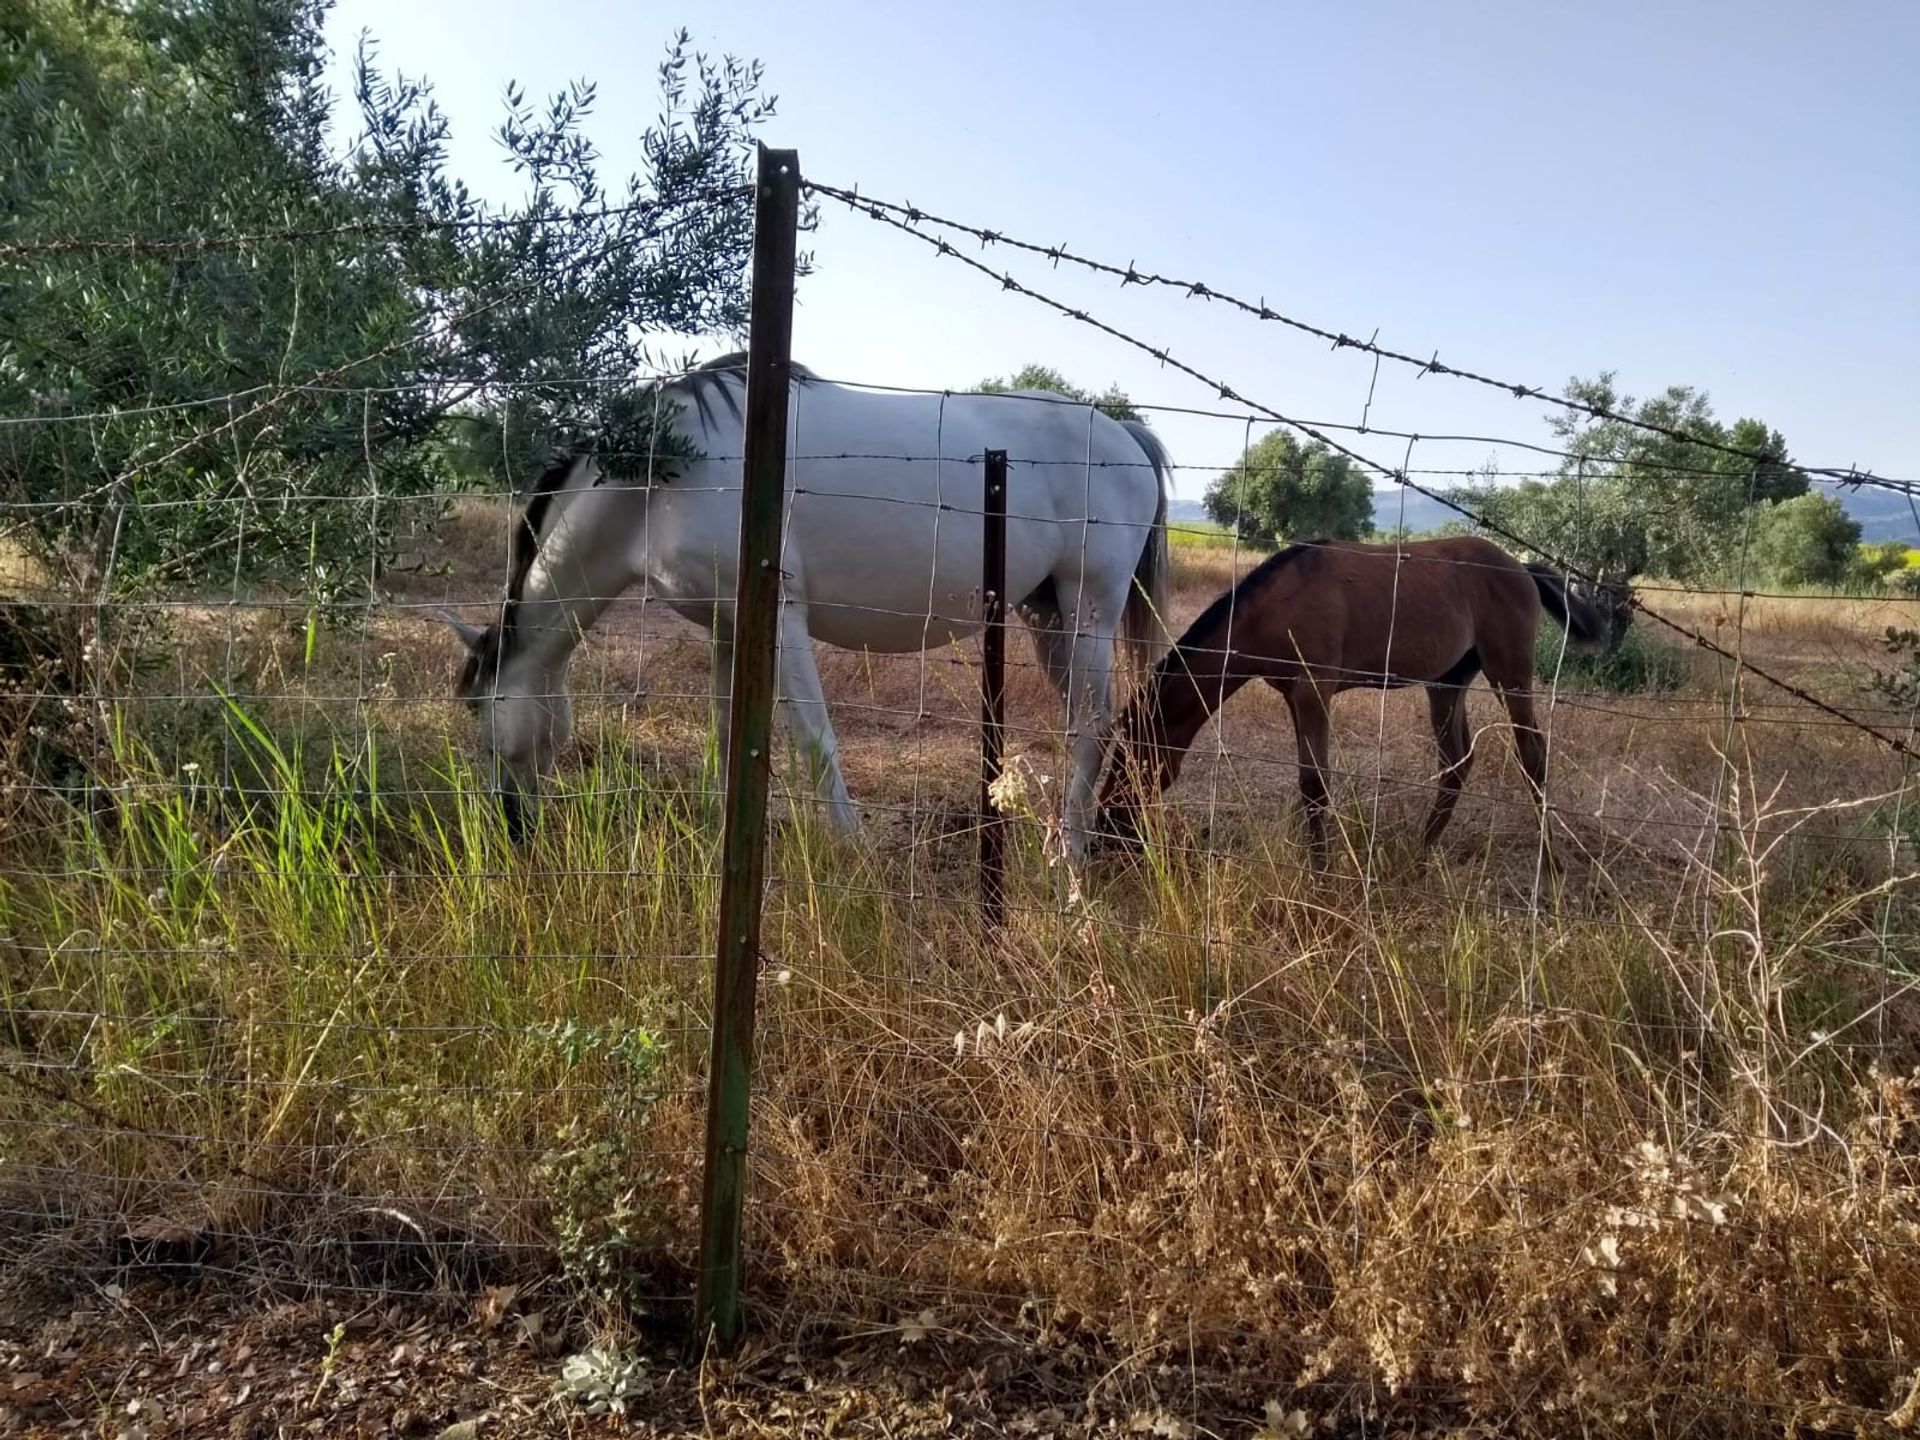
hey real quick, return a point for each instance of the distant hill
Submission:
(1883, 515)
(1186, 510)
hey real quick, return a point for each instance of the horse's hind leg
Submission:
(1447, 703)
(806, 704)
(1051, 642)
(1082, 637)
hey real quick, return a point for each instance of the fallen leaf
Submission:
(493, 1305)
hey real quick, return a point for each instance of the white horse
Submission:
(881, 551)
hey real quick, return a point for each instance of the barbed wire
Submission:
(911, 215)
(463, 1153)
(1400, 477)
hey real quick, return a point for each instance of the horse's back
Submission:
(884, 535)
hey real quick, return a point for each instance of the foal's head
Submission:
(1142, 765)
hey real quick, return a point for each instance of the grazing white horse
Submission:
(881, 551)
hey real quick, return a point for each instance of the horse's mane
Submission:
(523, 545)
(1208, 631)
(723, 379)
(711, 381)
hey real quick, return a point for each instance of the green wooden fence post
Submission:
(756, 627)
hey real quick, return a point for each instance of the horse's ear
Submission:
(470, 635)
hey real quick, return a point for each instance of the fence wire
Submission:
(281, 999)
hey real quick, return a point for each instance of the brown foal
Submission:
(1332, 615)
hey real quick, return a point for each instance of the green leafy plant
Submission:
(263, 401)
(604, 1221)
(1285, 490)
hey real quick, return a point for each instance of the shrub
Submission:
(1808, 540)
(1639, 664)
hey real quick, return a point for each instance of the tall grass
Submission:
(1624, 1152)
(1620, 1158)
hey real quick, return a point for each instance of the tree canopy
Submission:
(1628, 501)
(1283, 489)
(233, 384)
(1111, 401)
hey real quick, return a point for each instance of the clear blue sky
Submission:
(1725, 195)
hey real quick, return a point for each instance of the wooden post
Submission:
(993, 695)
(756, 632)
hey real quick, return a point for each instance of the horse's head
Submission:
(525, 713)
(1142, 766)
(1613, 598)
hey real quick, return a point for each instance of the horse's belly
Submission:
(888, 629)
(901, 578)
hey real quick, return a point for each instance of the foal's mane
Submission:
(1208, 631)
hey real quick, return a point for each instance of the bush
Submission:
(1639, 664)
(1808, 540)
(1878, 567)
(1284, 490)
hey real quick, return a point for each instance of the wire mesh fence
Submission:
(1590, 1102)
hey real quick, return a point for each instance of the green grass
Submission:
(1639, 665)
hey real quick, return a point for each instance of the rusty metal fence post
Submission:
(756, 631)
(993, 693)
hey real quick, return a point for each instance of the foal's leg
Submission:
(1506, 653)
(1448, 706)
(1312, 734)
(1531, 745)
(806, 704)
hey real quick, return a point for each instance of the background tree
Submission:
(1807, 540)
(1285, 490)
(1112, 401)
(1626, 501)
(239, 384)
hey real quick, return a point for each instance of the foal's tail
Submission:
(1143, 622)
(1583, 623)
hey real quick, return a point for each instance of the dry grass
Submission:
(1634, 1154)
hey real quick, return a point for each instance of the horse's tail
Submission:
(1583, 623)
(1144, 621)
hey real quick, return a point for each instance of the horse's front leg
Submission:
(1089, 697)
(806, 703)
(1312, 731)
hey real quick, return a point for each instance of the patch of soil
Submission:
(194, 1362)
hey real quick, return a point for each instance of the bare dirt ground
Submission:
(205, 1364)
